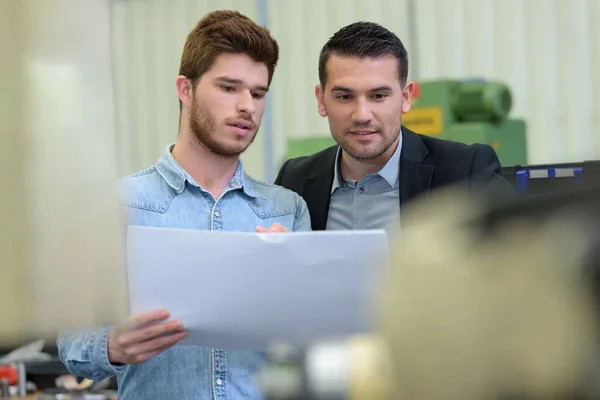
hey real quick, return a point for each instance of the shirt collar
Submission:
(390, 171)
(174, 174)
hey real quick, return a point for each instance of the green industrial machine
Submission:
(469, 112)
(307, 146)
(473, 111)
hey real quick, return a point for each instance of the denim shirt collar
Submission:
(390, 171)
(174, 174)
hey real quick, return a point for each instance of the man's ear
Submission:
(320, 94)
(407, 94)
(185, 91)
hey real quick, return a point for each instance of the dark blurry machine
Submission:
(506, 307)
(551, 179)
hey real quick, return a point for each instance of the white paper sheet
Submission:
(245, 290)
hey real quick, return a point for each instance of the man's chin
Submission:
(367, 154)
(230, 151)
(230, 147)
(362, 151)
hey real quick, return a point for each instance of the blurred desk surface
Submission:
(41, 395)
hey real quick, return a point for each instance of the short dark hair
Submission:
(362, 40)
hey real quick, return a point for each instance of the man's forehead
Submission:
(364, 72)
(239, 69)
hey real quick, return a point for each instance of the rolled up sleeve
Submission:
(85, 353)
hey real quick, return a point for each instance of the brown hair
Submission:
(226, 31)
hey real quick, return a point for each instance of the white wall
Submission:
(546, 50)
(58, 170)
(13, 244)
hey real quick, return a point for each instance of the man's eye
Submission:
(379, 96)
(344, 97)
(228, 88)
(258, 95)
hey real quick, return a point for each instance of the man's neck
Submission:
(355, 169)
(212, 172)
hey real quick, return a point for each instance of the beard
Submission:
(363, 152)
(369, 151)
(203, 126)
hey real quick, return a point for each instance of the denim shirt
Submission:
(166, 196)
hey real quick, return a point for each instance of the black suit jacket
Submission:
(426, 163)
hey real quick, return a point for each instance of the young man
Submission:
(199, 183)
(378, 165)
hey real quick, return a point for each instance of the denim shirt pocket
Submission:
(269, 212)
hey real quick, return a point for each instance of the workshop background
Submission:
(546, 51)
(89, 87)
(125, 56)
(87, 94)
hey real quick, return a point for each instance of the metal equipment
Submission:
(550, 179)
(469, 111)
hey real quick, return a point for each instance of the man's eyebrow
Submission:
(230, 80)
(348, 90)
(341, 89)
(381, 88)
(235, 81)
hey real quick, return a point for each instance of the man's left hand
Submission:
(275, 228)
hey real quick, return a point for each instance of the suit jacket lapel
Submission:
(317, 190)
(415, 176)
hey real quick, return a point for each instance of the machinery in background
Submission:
(306, 146)
(471, 111)
(552, 179)
(461, 111)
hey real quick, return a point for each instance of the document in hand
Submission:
(237, 290)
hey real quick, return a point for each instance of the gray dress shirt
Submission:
(371, 203)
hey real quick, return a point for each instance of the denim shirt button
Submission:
(219, 381)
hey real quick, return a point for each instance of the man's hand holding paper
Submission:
(143, 336)
(275, 228)
(147, 334)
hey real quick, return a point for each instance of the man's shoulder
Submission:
(272, 192)
(145, 189)
(449, 148)
(140, 180)
(476, 163)
(460, 159)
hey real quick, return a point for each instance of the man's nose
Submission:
(362, 113)
(246, 103)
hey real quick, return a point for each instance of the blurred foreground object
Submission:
(479, 304)
(499, 306)
(60, 231)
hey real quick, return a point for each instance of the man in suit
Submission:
(378, 165)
